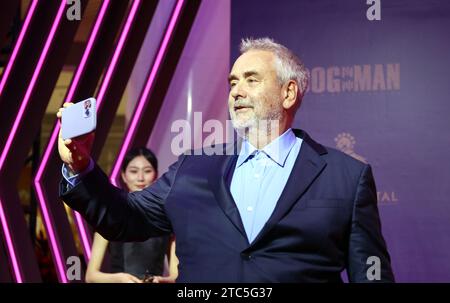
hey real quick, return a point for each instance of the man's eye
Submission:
(232, 84)
(252, 80)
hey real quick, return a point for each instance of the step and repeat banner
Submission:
(379, 91)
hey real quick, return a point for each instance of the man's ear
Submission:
(290, 91)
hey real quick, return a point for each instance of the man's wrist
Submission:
(73, 177)
(70, 172)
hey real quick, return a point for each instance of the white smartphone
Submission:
(79, 119)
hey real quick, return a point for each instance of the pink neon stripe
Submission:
(72, 89)
(117, 53)
(46, 156)
(87, 51)
(53, 138)
(83, 234)
(9, 243)
(24, 104)
(24, 29)
(101, 94)
(51, 234)
(31, 86)
(55, 133)
(142, 100)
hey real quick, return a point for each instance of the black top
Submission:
(138, 257)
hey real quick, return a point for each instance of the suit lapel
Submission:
(307, 167)
(219, 178)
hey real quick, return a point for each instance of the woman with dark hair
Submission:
(132, 261)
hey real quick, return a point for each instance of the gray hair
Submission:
(288, 65)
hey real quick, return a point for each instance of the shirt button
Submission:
(250, 208)
(257, 176)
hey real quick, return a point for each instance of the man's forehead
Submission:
(254, 60)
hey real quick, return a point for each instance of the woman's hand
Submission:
(122, 277)
(159, 279)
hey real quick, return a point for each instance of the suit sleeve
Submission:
(366, 239)
(116, 214)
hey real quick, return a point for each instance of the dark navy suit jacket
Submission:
(325, 221)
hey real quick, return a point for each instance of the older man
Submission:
(282, 209)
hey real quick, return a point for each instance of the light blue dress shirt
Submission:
(73, 180)
(260, 177)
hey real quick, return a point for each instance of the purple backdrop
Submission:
(379, 91)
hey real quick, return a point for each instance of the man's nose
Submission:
(237, 91)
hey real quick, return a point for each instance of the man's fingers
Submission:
(67, 104)
(71, 145)
(59, 113)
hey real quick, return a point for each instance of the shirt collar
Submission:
(277, 150)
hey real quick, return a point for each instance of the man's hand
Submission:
(75, 152)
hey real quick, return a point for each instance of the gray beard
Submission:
(260, 127)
